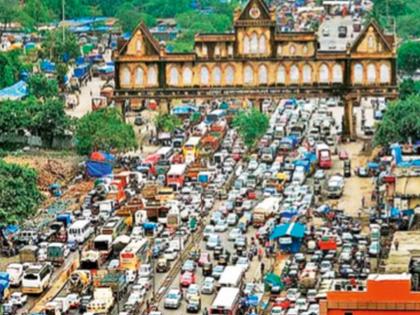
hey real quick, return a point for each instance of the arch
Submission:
(254, 43)
(358, 73)
(371, 73)
(229, 75)
(262, 46)
(324, 74)
(385, 73)
(292, 50)
(216, 75)
(294, 74)
(125, 76)
(139, 76)
(307, 74)
(246, 44)
(173, 76)
(187, 76)
(248, 75)
(281, 75)
(337, 73)
(262, 74)
(204, 76)
(151, 75)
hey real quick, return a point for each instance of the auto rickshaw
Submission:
(194, 254)
(347, 168)
(218, 250)
(224, 258)
(207, 269)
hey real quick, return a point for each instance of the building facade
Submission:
(255, 61)
(383, 295)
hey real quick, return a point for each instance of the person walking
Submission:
(396, 244)
(262, 269)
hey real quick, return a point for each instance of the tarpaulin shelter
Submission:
(14, 92)
(99, 164)
(184, 110)
(289, 235)
(47, 66)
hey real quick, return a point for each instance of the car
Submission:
(293, 294)
(343, 155)
(232, 219)
(18, 298)
(187, 278)
(138, 121)
(170, 253)
(249, 288)
(74, 300)
(213, 241)
(253, 165)
(374, 249)
(302, 304)
(173, 299)
(194, 305)
(244, 262)
(234, 234)
(325, 266)
(204, 258)
(192, 291)
(208, 230)
(145, 283)
(240, 242)
(217, 271)
(277, 310)
(189, 265)
(319, 174)
(208, 286)
(221, 226)
(362, 172)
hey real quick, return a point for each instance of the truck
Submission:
(265, 209)
(335, 187)
(57, 253)
(103, 300)
(194, 169)
(150, 190)
(323, 154)
(79, 281)
(28, 253)
(116, 281)
(15, 272)
(58, 306)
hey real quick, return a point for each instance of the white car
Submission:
(170, 254)
(253, 165)
(232, 219)
(213, 241)
(208, 286)
(302, 304)
(15, 272)
(244, 262)
(173, 299)
(18, 298)
(221, 226)
(293, 294)
(192, 291)
(234, 234)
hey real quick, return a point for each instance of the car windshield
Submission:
(172, 295)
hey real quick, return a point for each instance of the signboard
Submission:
(285, 240)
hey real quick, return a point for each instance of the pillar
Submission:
(349, 130)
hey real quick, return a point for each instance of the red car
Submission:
(187, 278)
(236, 156)
(204, 258)
(343, 155)
(251, 195)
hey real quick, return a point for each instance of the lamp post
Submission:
(63, 17)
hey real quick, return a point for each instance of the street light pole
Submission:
(63, 17)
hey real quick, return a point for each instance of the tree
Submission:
(400, 122)
(19, 194)
(409, 56)
(129, 17)
(42, 87)
(408, 87)
(8, 11)
(10, 67)
(34, 13)
(251, 125)
(104, 130)
(167, 123)
(55, 49)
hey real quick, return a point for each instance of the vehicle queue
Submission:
(209, 216)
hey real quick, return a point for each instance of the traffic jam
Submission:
(204, 226)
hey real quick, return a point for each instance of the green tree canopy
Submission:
(252, 125)
(104, 130)
(400, 122)
(54, 48)
(42, 87)
(19, 194)
(167, 123)
(409, 56)
(409, 87)
(10, 66)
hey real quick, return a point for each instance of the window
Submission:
(187, 76)
(216, 76)
(371, 73)
(279, 50)
(138, 45)
(337, 74)
(324, 75)
(246, 44)
(204, 76)
(358, 73)
(385, 73)
(262, 75)
(292, 50)
(262, 45)
(204, 51)
(307, 74)
(254, 43)
(294, 74)
(248, 75)
(217, 51)
(125, 76)
(139, 76)
(151, 76)
(230, 50)
(173, 77)
(281, 75)
(229, 75)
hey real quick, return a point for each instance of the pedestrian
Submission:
(260, 254)
(396, 244)
(141, 147)
(262, 268)
(363, 202)
(205, 312)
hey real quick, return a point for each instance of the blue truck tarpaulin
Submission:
(14, 92)
(98, 169)
(47, 66)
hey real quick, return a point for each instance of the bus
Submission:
(165, 153)
(215, 116)
(173, 218)
(134, 254)
(190, 149)
(79, 231)
(36, 279)
(226, 302)
(176, 176)
(232, 277)
(114, 226)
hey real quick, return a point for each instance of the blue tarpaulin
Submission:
(100, 164)
(183, 110)
(47, 66)
(14, 92)
(149, 225)
(290, 236)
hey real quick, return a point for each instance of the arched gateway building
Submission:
(256, 61)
